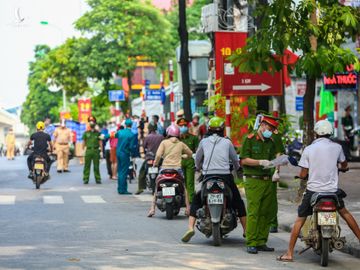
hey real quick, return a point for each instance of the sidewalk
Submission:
(349, 182)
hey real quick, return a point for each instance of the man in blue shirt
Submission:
(155, 122)
(49, 128)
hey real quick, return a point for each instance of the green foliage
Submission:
(286, 25)
(40, 102)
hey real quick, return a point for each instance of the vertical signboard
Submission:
(84, 107)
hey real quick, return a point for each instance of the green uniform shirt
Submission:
(255, 148)
(91, 139)
(191, 141)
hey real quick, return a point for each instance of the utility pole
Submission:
(184, 58)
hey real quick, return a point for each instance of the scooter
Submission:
(170, 192)
(322, 230)
(151, 172)
(216, 218)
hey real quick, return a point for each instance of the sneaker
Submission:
(59, 171)
(187, 236)
(265, 248)
(30, 175)
(139, 192)
(252, 250)
(66, 171)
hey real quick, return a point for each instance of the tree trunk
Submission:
(309, 102)
(184, 59)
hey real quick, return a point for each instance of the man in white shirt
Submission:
(320, 161)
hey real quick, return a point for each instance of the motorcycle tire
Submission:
(37, 182)
(324, 256)
(169, 211)
(216, 234)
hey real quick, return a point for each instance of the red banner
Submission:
(84, 106)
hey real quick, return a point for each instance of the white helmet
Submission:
(323, 127)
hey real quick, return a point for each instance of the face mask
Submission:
(92, 125)
(267, 134)
(183, 130)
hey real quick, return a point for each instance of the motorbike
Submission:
(151, 172)
(216, 218)
(322, 231)
(170, 192)
(132, 170)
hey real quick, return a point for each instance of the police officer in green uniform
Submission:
(279, 149)
(188, 164)
(257, 151)
(93, 144)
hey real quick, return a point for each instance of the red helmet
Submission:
(173, 131)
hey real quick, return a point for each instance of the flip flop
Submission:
(187, 236)
(282, 259)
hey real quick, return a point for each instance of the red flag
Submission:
(289, 59)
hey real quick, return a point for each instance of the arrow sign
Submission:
(262, 87)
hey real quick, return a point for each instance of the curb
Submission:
(350, 248)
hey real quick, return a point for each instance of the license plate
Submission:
(215, 198)
(168, 191)
(153, 170)
(39, 166)
(327, 218)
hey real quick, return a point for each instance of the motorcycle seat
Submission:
(169, 171)
(316, 197)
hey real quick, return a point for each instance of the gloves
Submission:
(276, 176)
(264, 163)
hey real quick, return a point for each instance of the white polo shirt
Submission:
(322, 158)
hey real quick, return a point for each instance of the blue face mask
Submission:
(267, 134)
(183, 130)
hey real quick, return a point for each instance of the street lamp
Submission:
(53, 87)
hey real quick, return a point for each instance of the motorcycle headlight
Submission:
(175, 185)
(163, 185)
(209, 184)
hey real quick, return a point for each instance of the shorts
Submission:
(305, 209)
(113, 158)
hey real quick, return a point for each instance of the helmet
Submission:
(40, 125)
(173, 131)
(323, 127)
(216, 123)
(182, 121)
(128, 122)
(196, 115)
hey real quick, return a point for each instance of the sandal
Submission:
(282, 259)
(187, 236)
(151, 213)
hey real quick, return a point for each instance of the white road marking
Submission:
(144, 197)
(92, 199)
(7, 199)
(53, 200)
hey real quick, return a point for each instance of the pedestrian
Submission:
(10, 144)
(170, 151)
(151, 145)
(49, 128)
(92, 144)
(62, 140)
(257, 151)
(319, 162)
(347, 123)
(104, 131)
(194, 126)
(188, 164)
(124, 150)
(155, 122)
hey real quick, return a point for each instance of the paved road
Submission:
(67, 225)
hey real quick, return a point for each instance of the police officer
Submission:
(93, 144)
(62, 139)
(258, 148)
(125, 148)
(188, 164)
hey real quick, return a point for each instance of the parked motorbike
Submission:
(322, 231)
(132, 170)
(151, 172)
(216, 218)
(170, 192)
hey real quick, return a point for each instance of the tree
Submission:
(285, 24)
(40, 102)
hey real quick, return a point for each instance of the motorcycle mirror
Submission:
(293, 161)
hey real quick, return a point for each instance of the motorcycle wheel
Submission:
(216, 233)
(324, 256)
(37, 181)
(169, 211)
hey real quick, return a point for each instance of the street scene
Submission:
(189, 134)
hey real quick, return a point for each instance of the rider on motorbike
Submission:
(218, 164)
(319, 162)
(42, 142)
(171, 151)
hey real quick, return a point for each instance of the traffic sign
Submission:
(116, 95)
(153, 95)
(234, 83)
(299, 103)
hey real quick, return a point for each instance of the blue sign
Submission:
(163, 95)
(153, 95)
(116, 95)
(299, 103)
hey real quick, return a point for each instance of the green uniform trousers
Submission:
(260, 210)
(188, 167)
(274, 220)
(92, 155)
